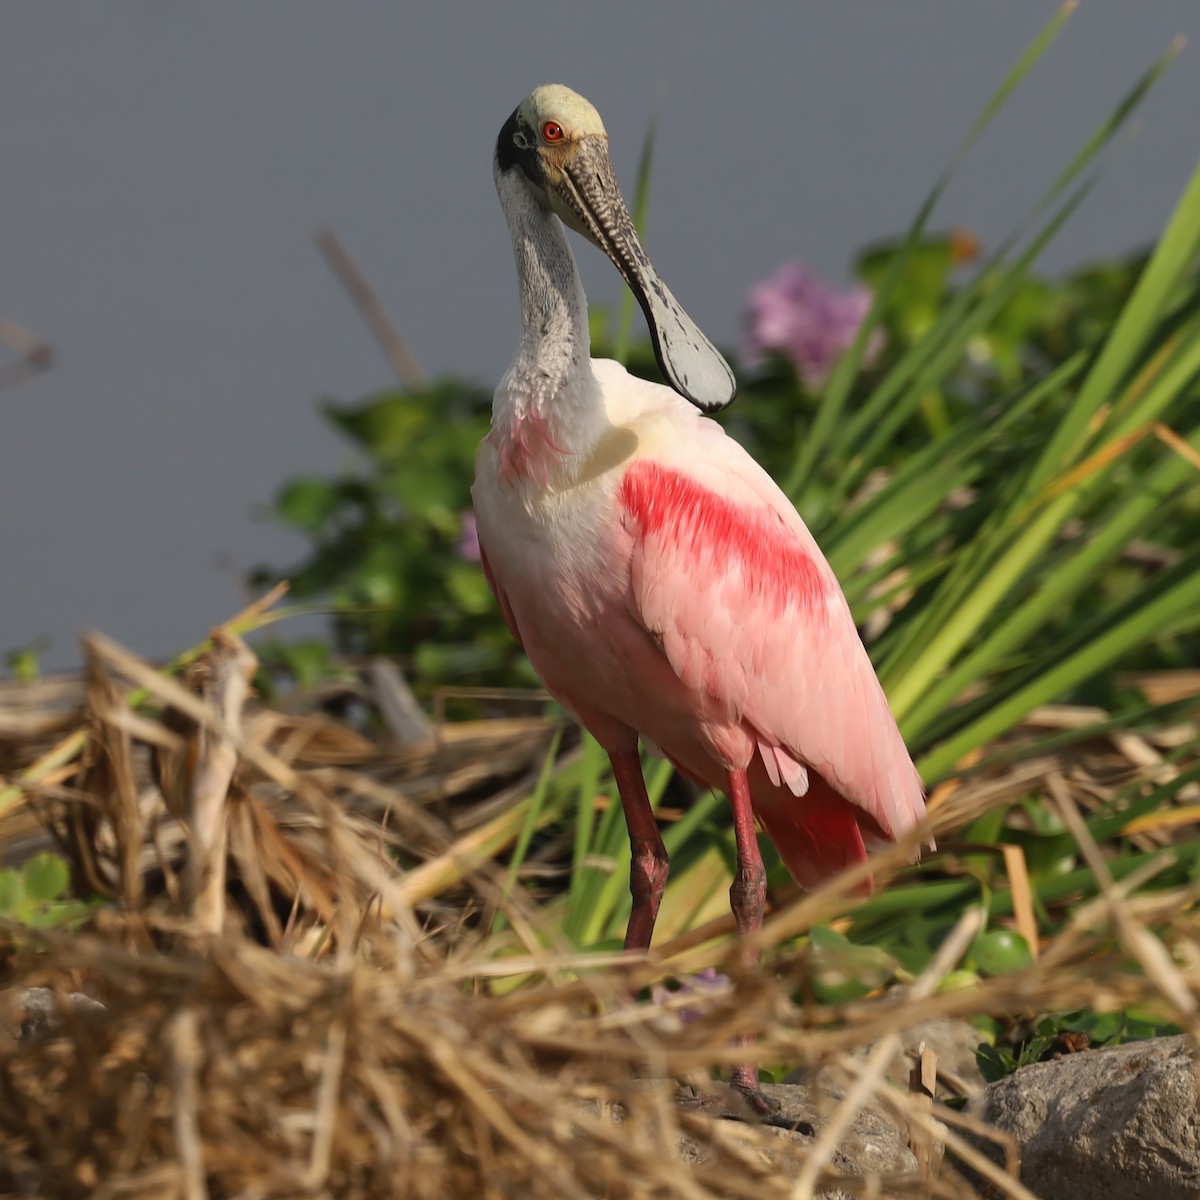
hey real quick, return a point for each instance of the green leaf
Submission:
(1157, 607)
(533, 821)
(12, 891)
(307, 503)
(46, 877)
(994, 1064)
(468, 588)
(307, 662)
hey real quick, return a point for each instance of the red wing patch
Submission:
(710, 529)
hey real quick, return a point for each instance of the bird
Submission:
(661, 584)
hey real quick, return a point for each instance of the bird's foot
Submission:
(735, 1101)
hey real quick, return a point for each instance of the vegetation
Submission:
(36, 894)
(1004, 471)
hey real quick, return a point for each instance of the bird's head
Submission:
(556, 145)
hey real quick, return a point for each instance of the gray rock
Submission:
(953, 1042)
(1114, 1124)
(31, 1013)
(873, 1145)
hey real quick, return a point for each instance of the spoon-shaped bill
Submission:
(591, 202)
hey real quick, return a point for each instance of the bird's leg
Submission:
(648, 870)
(747, 898)
(748, 892)
(648, 878)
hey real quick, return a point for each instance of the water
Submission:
(163, 169)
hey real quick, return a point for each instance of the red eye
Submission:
(552, 131)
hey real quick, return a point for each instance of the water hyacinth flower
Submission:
(796, 314)
(709, 980)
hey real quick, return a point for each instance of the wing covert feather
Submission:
(729, 580)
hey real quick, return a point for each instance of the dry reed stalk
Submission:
(185, 1059)
(401, 712)
(922, 1085)
(1017, 871)
(1145, 948)
(36, 355)
(366, 1050)
(384, 1076)
(226, 673)
(881, 1056)
(407, 369)
(111, 779)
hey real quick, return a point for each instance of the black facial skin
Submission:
(588, 187)
(509, 154)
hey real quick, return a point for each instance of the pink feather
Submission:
(685, 601)
(746, 608)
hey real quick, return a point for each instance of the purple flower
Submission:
(467, 546)
(796, 314)
(708, 980)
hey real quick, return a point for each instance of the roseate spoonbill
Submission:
(661, 584)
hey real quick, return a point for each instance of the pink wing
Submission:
(728, 579)
(501, 599)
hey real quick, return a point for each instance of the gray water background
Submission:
(163, 168)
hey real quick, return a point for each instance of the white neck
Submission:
(549, 391)
(554, 328)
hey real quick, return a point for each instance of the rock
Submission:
(1114, 1124)
(30, 1013)
(873, 1145)
(953, 1042)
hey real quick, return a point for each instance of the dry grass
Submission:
(341, 1034)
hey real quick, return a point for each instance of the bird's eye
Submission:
(552, 131)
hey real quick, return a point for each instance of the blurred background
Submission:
(163, 169)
